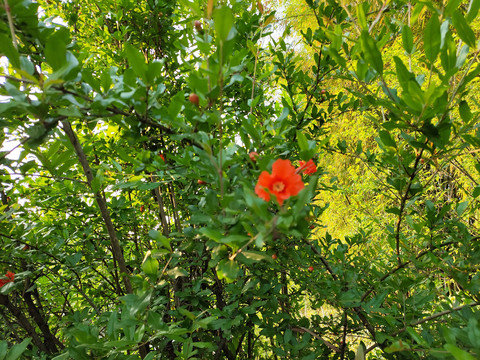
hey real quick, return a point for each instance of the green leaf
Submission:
(177, 272)
(431, 38)
(448, 56)
(302, 141)
(56, 49)
(287, 336)
(97, 182)
(193, 6)
(136, 60)
(476, 191)
(463, 29)
(451, 6)
(3, 349)
(187, 313)
(407, 39)
(462, 207)
(213, 234)
(444, 30)
(473, 11)
(160, 238)
(73, 260)
(17, 350)
(416, 337)
(252, 47)
(458, 353)
(337, 57)
(204, 345)
(236, 238)
(462, 56)
(7, 49)
(112, 325)
(464, 111)
(150, 265)
(404, 76)
(154, 71)
(370, 52)
(7, 289)
(255, 255)
(417, 10)
(150, 355)
(228, 270)
(360, 353)
(223, 20)
(362, 20)
(398, 345)
(386, 138)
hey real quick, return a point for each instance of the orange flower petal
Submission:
(264, 181)
(282, 183)
(282, 168)
(308, 167)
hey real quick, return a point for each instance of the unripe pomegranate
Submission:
(198, 26)
(194, 99)
(253, 156)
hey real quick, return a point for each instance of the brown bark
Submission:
(51, 342)
(24, 323)
(163, 218)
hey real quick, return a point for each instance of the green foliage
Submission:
(130, 216)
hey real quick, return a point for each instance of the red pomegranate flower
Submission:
(10, 275)
(308, 167)
(282, 183)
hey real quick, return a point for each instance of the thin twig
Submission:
(48, 177)
(273, 223)
(322, 259)
(377, 19)
(403, 202)
(11, 150)
(10, 23)
(301, 329)
(344, 335)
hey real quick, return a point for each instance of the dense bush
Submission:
(201, 180)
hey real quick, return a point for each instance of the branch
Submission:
(402, 265)
(11, 150)
(344, 335)
(13, 78)
(10, 23)
(436, 315)
(405, 197)
(322, 259)
(116, 249)
(428, 318)
(23, 322)
(48, 177)
(50, 341)
(301, 329)
(377, 19)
